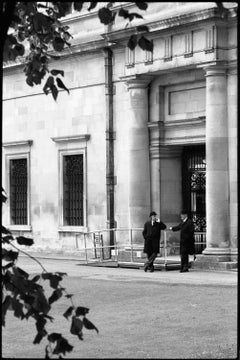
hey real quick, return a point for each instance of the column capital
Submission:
(232, 68)
(214, 68)
(137, 81)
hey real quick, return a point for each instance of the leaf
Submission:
(54, 92)
(68, 312)
(76, 327)
(5, 230)
(40, 303)
(54, 281)
(7, 239)
(123, 13)
(58, 44)
(145, 44)
(141, 5)
(36, 278)
(9, 255)
(7, 266)
(39, 336)
(20, 49)
(89, 325)
(64, 8)
(62, 346)
(54, 337)
(55, 296)
(61, 85)
(20, 272)
(81, 311)
(22, 240)
(106, 16)
(141, 28)
(49, 83)
(54, 278)
(78, 6)
(11, 39)
(92, 6)
(40, 323)
(132, 42)
(134, 15)
(18, 309)
(41, 23)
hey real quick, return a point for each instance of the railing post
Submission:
(85, 245)
(131, 245)
(100, 245)
(165, 249)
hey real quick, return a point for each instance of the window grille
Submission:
(73, 211)
(194, 185)
(18, 191)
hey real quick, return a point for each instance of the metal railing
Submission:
(128, 245)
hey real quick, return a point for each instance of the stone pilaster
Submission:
(138, 144)
(171, 183)
(154, 135)
(232, 135)
(217, 176)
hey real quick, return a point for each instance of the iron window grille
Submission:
(73, 205)
(18, 191)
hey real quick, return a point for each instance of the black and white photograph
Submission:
(120, 180)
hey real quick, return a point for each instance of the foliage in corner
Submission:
(26, 298)
(34, 31)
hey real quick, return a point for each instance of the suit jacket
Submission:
(186, 236)
(152, 234)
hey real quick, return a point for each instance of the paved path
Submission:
(161, 315)
(75, 268)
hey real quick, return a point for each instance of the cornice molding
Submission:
(17, 143)
(71, 138)
(167, 24)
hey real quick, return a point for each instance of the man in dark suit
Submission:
(186, 239)
(152, 233)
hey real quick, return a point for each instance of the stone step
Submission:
(221, 265)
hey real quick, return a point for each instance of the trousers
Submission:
(150, 260)
(184, 261)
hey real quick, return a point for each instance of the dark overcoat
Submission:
(152, 234)
(186, 236)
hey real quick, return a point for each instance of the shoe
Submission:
(184, 270)
(145, 268)
(152, 270)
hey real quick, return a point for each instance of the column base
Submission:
(216, 251)
(214, 262)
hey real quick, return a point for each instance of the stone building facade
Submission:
(140, 130)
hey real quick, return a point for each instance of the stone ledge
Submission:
(224, 265)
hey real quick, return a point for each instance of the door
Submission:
(194, 190)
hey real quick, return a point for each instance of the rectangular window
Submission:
(73, 190)
(18, 181)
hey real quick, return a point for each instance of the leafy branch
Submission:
(33, 31)
(26, 297)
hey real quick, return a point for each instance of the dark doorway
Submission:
(194, 189)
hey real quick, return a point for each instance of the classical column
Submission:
(232, 135)
(217, 176)
(154, 134)
(138, 145)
